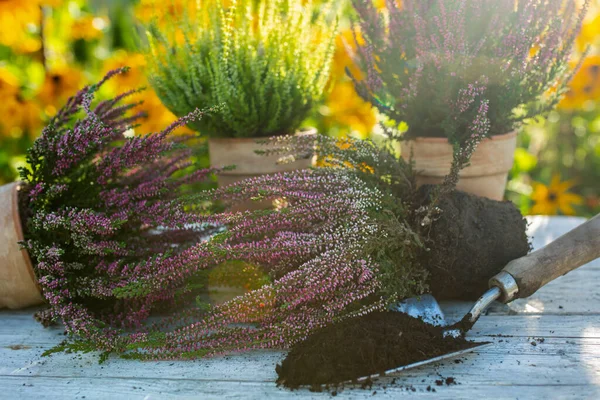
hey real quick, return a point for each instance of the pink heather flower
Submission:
(103, 209)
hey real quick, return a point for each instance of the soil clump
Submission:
(471, 241)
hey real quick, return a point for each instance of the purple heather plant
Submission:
(101, 209)
(446, 67)
(344, 243)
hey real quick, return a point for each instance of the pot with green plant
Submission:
(265, 64)
(445, 66)
(95, 209)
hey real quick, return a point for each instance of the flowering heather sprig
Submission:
(437, 61)
(100, 208)
(343, 245)
(346, 242)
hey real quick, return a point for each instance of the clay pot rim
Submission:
(305, 132)
(19, 228)
(504, 136)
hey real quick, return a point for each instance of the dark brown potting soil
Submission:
(363, 346)
(470, 242)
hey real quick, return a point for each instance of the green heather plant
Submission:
(434, 63)
(265, 62)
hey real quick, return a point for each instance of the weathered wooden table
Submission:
(547, 346)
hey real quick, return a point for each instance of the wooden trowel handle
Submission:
(568, 252)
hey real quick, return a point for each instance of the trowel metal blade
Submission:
(424, 307)
(424, 362)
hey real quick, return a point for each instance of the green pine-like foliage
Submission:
(264, 63)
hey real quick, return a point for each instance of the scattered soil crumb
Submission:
(450, 381)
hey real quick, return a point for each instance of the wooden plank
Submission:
(85, 388)
(503, 357)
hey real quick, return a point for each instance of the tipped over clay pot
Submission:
(18, 286)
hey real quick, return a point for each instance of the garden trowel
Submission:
(519, 279)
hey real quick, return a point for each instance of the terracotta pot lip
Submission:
(305, 132)
(19, 228)
(504, 136)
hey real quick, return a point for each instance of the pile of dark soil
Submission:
(471, 241)
(364, 346)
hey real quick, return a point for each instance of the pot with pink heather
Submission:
(451, 69)
(97, 210)
(265, 73)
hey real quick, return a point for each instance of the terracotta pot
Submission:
(18, 286)
(241, 153)
(486, 175)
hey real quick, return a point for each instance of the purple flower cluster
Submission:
(101, 209)
(330, 253)
(438, 64)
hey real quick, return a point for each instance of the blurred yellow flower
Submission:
(584, 86)
(590, 33)
(59, 84)
(30, 44)
(364, 167)
(344, 107)
(158, 117)
(146, 10)
(132, 79)
(11, 116)
(16, 19)
(87, 28)
(551, 199)
(9, 83)
(345, 46)
(15, 15)
(50, 3)
(380, 4)
(19, 116)
(31, 119)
